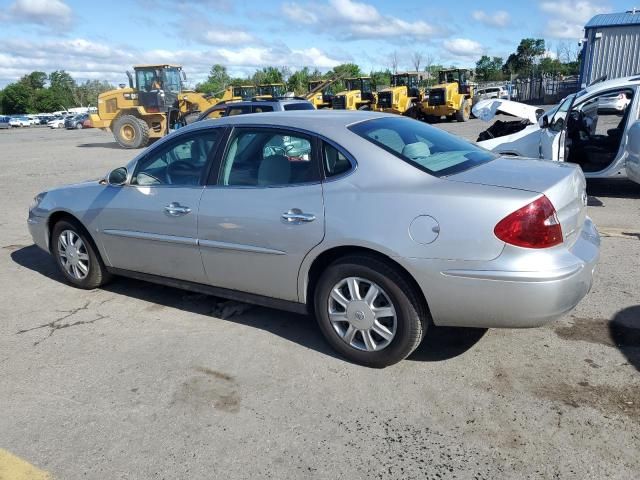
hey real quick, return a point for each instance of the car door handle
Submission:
(295, 215)
(174, 209)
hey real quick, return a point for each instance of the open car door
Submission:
(553, 135)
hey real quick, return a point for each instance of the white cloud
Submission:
(499, 18)
(463, 48)
(226, 37)
(41, 12)
(352, 20)
(567, 17)
(86, 59)
(299, 14)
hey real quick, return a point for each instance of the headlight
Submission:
(36, 200)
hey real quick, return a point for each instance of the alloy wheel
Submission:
(362, 314)
(73, 254)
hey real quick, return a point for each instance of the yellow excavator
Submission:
(358, 95)
(321, 93)
(450, 98)
(402, 95)
(154, 104)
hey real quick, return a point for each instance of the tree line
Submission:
(39, 92)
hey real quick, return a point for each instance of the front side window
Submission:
(260, 157)
(559, 117)
(182, 162)
(427, 148)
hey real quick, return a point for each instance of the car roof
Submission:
(320, 121)
(265, 101)
(631, 81)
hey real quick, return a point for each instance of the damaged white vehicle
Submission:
(582, 129)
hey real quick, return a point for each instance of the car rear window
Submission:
(299, 106)
(423, 146)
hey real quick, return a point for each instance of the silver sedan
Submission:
(380, 225)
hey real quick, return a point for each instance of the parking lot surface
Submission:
(137, 381)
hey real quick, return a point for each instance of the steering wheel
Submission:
(275, 150)
(180, 168)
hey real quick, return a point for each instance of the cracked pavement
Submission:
(141, 381)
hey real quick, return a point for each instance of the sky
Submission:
(101, 40)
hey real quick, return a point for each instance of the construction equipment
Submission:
(320, 93)
(450, 98)
(270, 90)
(358, 95)
(241, 92)
(402, 95)
(152, 108)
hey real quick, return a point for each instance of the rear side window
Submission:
(299, 106)
(335, 162)
(238, 110)
(262, 108)
(427, 148)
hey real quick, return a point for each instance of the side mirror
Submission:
(117, 177)
(544, 121)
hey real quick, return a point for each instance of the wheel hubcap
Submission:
(127, 132)
(362, 314)
(73, 254)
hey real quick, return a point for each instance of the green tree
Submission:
(551, 66)
(87, 93)
(62, 87)
(35, 80)
(217, 81)
(16, 98)
(268, 75)
(524, 59)
(299, 81)
(381, 78)
(489, 68)
(344, 70)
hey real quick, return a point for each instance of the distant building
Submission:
(611, 46)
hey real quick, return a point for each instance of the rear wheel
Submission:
(131, 132)
(368, 311)
(464, 113)
(76, 256)
(79, 126)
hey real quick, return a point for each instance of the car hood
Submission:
(487, 109)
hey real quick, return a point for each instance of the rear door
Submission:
(150, 224)
(263, 212)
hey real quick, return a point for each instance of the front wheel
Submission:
(79, 126)
(368, 311)
(464, 113)
(131, 132)
(77, 257)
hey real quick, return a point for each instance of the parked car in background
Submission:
(20, 122)
(256, 106)
(58, 122)
(4, 122)
(380, 224)
(616, 102)
(490, 92)
(75, 121)
(586, 128)
(87, 123)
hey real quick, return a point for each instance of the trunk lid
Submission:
(485, 110)
(562, 183)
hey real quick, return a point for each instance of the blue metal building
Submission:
(611, 46)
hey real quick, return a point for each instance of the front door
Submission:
(553, 137)
(263, 213)
(150, 224)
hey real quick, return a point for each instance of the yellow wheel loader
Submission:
(450, 98)
(270, 90)
(150, 107)
(402, 96)
(358, 95)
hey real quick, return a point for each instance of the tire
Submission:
(464, 113)
(131, 132)
(85, 253)
(79, 126)
(411, 112)
(411, 317)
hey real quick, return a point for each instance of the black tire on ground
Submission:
(412, 317)
(191, 117)
(131, 132)
(411, 112)
(97, 274)
(464, 113)
(79, 126)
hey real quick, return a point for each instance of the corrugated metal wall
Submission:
(616, 54)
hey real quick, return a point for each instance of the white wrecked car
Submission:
(580, 129)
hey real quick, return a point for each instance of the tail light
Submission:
(535, 225)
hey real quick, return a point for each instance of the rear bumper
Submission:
(490, 297)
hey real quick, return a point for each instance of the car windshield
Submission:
(427, 148)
